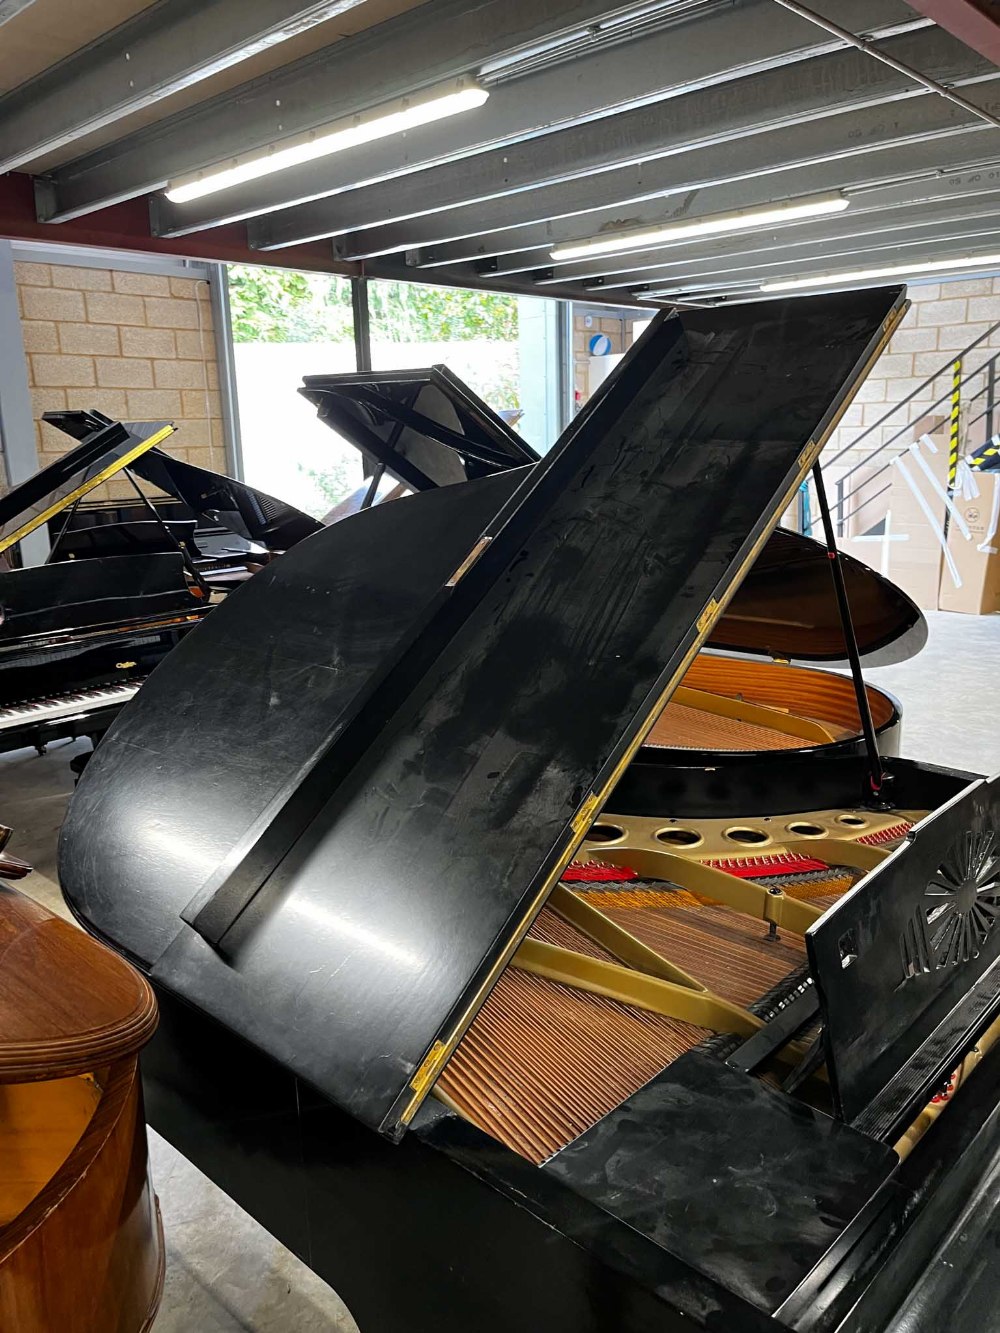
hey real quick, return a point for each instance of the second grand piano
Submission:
(407, 1035)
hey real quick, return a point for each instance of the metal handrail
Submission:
(887, 444)
(955, 356)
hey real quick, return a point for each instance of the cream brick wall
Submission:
(135, 346)
(943, 318)
(581, 337)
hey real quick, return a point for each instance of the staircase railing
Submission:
(976, 429)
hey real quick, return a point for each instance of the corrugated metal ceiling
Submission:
(601, 118)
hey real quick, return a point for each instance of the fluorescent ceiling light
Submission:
(719, 224)
(888, 271)
(379, 123)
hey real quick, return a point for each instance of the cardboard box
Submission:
(977, 557)
(868, 501)
(915, 520)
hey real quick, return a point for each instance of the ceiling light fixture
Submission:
(378, 123)
(888, 271)
(718, 224)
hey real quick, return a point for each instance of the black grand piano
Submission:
(482, 1003)
(125, 579)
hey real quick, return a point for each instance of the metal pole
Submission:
(363, 361)
(876, 775)
(956, 404)
(17, 424)
(991, 385)
(225, 355)
(362, 324)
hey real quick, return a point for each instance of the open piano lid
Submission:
(104, 448)
(331, 814)
(240, 508)
(424, 427)
(243, 509)
(414, 423)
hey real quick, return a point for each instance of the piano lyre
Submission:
(497, 1015)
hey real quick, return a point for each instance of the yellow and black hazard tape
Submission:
(956, 403)
(987, 457)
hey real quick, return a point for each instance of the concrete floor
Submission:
(224, 1273)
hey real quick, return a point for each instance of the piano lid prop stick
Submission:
(189, 564)
(876, 774)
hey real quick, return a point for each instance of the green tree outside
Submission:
(273, 305)
(284, 306)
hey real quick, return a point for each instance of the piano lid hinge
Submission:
(430, 1068)
(469, 561)
(584, 817)
(708, 615)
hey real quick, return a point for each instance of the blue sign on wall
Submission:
(599, 345)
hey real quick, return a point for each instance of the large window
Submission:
(286, 325)
(505, 348)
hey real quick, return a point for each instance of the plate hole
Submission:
(853, 821)
(748, 837)
(804, 830)
(605, 833)
(679, 837)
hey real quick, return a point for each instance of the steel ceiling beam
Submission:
(711, 47)
(865, 217)
(163, 49)
(876, 256)
(393, 271)
(815, 155)
(811, 90)
(439, 40)
(924, 165)
(10, 9)
(811, 256)
(974, 24)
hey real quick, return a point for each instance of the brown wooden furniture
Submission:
(81, 1247)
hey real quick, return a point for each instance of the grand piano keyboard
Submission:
(62, 707)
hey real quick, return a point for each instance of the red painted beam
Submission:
(974, 22)
(126, 227)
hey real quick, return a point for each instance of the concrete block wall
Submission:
(943, 318)
(136, 346)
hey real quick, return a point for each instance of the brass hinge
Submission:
(707, 616)
(430, 1068)
(469, 561)
(585, 815)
